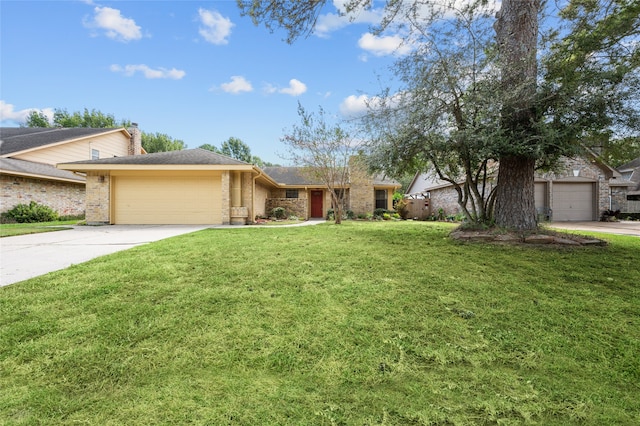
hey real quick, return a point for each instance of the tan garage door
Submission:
(167, 200)
(573, 201)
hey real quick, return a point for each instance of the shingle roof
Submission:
(630, 165)
(8, 165)
(296, 176)
(290, 176)
(197, 156)
(16, 139)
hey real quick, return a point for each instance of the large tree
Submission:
(536, 127)
(236, 148)
(160, 142)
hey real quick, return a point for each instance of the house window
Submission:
(292, 193)
(633, 197)
(381, 199)
(95, 154)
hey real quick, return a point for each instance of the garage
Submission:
(161, 199)
(573, 201)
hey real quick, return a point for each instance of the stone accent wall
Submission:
(619, 199)
(247, 194)
(260, 201)
(293, 206)
(226, 197)
(98, 198)
(67, 199)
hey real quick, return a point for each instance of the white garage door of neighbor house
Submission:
(573, 201)
(161, 200)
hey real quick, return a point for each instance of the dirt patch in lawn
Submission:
(537, 237)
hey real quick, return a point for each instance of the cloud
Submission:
(237, 85)
(384, 45)
(330, 22)
(215, 28)
(355, 106)
(9, 114)
(130, 70)
(296, 88)
(114, 24)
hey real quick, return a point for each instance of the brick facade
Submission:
(98, 197)
(67, 199)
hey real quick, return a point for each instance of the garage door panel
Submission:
(573, 201)
(167, 200)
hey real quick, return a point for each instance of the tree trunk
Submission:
(517, 35)
(515, 204)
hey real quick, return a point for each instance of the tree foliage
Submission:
(160, 142)
(323, 151)
(236, 148)
(37, 119)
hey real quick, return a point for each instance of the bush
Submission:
(31, 213)
(378, 213)
(279, 212)
(330, 214)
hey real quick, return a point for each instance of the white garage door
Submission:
(162, 200)
(573, 201)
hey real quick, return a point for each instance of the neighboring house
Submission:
(197, 186)
(628, 201)
(580, 189)
(28, 158)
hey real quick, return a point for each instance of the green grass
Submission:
(364, 323)
(13, 229)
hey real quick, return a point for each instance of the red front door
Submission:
(316, 204)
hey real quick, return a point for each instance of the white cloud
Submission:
(354, 106)
(150, 73)
(296, 88)
(334, 21)
(384, 45)
(237, 85)
(115, 25)
(215, 28)
(9, 114)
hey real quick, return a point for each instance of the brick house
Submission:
(197, 186)
(580, 189)
(28, 158)
(627, 199)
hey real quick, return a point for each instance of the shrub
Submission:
(379, 212)
(386, 216)
(279, 212)
(330, 214)
(401, 208)
(349, 214)
(31, 213)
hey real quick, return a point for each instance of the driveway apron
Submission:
(28, 256)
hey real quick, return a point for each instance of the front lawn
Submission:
(13, 229)
(376, 323)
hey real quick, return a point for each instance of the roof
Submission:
(295, 176)
(290, 176)
(14, 166)
(197, 156)
(18, 139)
(631, 165)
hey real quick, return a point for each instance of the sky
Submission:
(194, 70)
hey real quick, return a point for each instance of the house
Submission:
(28, 157)
(198, 186)
(580, 189)
(627, 200)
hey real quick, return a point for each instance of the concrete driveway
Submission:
(27, 256)
(619, 228)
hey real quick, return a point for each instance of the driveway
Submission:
(620, 228)
(27, 256)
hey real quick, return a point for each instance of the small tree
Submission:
(323, 151)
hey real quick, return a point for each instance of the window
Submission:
(95, 154)
(292, 193)
(633, 197)
(381, 199)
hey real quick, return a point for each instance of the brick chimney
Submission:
(135, 145)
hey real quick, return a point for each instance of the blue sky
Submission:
(195, 70)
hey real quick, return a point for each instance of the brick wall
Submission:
(65, 198)
(361, 193)
(97, 199)
(445, 199)
(293, 206)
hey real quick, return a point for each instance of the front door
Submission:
(316, 204)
